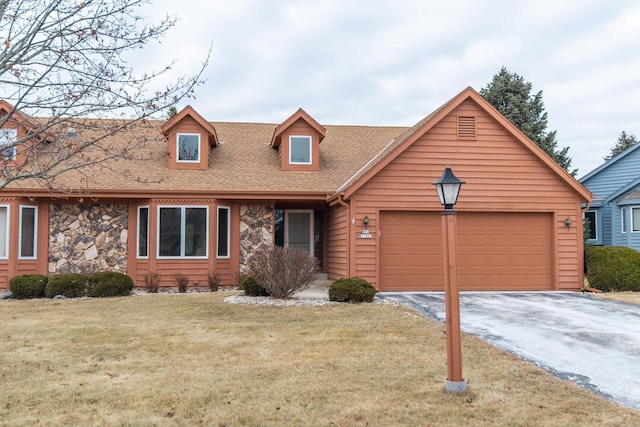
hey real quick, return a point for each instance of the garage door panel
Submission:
(496, 251)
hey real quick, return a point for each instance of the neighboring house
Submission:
(215, 192)
(614, 213)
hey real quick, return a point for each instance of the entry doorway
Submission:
(298, 230)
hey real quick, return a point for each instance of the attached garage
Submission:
(496, 251)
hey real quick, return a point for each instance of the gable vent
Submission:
(466, 127)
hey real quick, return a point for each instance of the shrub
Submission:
(152, 281)
(213, 279)
(351, 289)
(28, 286)
(282, 271)
(252, 289)
(182, 280)
(109, 284)
(70, 285)
(613, 268)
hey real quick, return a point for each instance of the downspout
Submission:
(348, 206)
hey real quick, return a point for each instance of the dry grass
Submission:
(189, 359)
(630, 297)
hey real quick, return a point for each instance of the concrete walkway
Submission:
(593, 342)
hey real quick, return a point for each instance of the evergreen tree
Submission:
(511, 95)
(625, 141)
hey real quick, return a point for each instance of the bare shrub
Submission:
(152, 281)
(213, 279)
(283, 271)
(182, 280)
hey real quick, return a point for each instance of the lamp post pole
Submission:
(448, 188)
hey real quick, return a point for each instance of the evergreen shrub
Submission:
(28, 286)
(351, 289)
(251, 288)
(613, 268)
(109, 284)
(70, 285)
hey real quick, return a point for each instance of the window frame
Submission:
(4, 133)
(310, 146)
(183, 209)
(6, 231)
(34, 243)
(138, 247)
(595, 224)
(623, 220)
(633, 228)
(199, 145)
(228, 240)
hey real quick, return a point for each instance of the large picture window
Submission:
(223, 232)
(8, 138)
(28, 231)
(4, 231)
(300, 150)
(188, 147)
(143, 232)
(182, 232)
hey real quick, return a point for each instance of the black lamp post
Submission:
(448, 187)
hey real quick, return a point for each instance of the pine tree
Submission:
(625, 140)
(511, 95)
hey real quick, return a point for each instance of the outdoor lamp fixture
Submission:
(567, 222)
(365, 221)
(448, 187)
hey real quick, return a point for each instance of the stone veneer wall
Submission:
(256, 231)
(88, 238)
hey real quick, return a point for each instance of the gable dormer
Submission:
(15, 127)
(298, 142)
(191, 139)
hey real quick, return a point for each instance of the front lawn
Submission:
(190, 359)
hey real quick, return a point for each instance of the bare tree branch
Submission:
(62, 67)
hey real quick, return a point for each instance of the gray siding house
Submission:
(614, 213)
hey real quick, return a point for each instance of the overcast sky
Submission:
(380, 62)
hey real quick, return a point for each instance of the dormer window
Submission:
(8, 138)
(188, 147)
(300, 150)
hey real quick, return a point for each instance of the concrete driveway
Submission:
(593, 342)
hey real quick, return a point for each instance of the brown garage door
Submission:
(496, 251)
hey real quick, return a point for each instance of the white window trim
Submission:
(310, 139)
(633, 231)
(178, 148)
(8, 228)
(228, 209)
(7, 132)
(138, 232)
(182, 232)
(35, 233)
(595, 213)
(623, 219)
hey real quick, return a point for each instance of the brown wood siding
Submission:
(337, 245)
(196, 270)
(4, 274)
(501, 174)
(300, 128)
(188, 125)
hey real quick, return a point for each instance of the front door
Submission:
(298, 230)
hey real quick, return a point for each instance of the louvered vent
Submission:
(466, 127)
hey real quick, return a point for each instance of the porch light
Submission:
(365, 221)
(567, 222)
(448, 187)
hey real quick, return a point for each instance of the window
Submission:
(182, 232)
(8, 138)
(143, 231)
(591, 220)
(300, 150)
(188, 147)
(623, 220)
(223, 232)
(635, 219)
(28, 231)
(4, 232)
